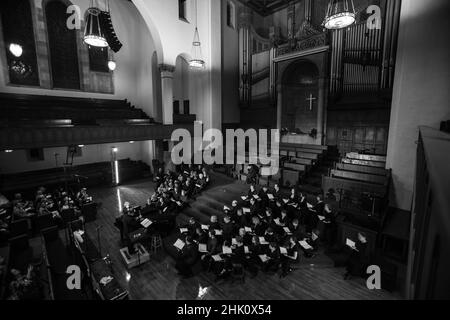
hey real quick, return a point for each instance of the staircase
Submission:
(312, 183)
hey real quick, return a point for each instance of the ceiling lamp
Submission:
(340, 14)
(16, 49)
(197, 61)
(112, 65)
(93, 34)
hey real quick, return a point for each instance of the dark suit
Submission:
(186, 259)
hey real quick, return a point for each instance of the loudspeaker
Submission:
(108, 29)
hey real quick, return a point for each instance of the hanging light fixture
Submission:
(340, 14)
(197, 61)
(16, 49)
(111, 62)
(93, 33)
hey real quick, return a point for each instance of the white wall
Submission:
(230, 67)
(173, 37)
(17, 161)
(421, 88)
(133, 76)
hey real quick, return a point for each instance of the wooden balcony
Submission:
(46, 137)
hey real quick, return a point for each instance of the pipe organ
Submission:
(363, 58)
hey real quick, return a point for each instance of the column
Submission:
(279, 105)
(321, 110)
(167, 92)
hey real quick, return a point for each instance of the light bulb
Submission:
(112, 65)
(16, 49)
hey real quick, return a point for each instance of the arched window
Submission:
(18, 29)
(62, 44)
(231, 15)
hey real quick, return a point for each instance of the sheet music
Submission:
(350, 243)
(202, 248)
(287, 230)
(305, 245)
(277, 221)
(246, 250)
(310, 206)
(227, 250)
(264, 258)
(179, 244)
(244, 198)
(262, 240)
(270, 196)
(205, 227)
(321, 218)
(218, 232)
(285, 200)
(246, 210)
(217, 258)
(314, 236)
(256, 196)
(248, 229)
(183, 230)
(146, 223)
(233, 241)
(283, 250)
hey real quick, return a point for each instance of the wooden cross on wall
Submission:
(311, 101)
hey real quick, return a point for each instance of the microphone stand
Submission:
(98, 241)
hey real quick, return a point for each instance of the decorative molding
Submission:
(26, 138)
(166, 68)
(312, 42)
(298, 54)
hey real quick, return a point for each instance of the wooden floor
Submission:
(315, 279)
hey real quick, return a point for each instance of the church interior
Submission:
(95, 206)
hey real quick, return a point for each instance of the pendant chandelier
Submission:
(93, 33)
(197, 61)
(340, 14)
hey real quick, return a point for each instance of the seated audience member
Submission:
(290, 257)
(187, 257)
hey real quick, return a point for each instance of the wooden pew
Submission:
(305, 155)
(306, 162)
(364, 163)
(362, 169)
(364, 177)
(356, 187)
(295, 166)
(315, 151)
(291, 146)
(366, 157)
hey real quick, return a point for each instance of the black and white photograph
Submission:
(224, 156)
